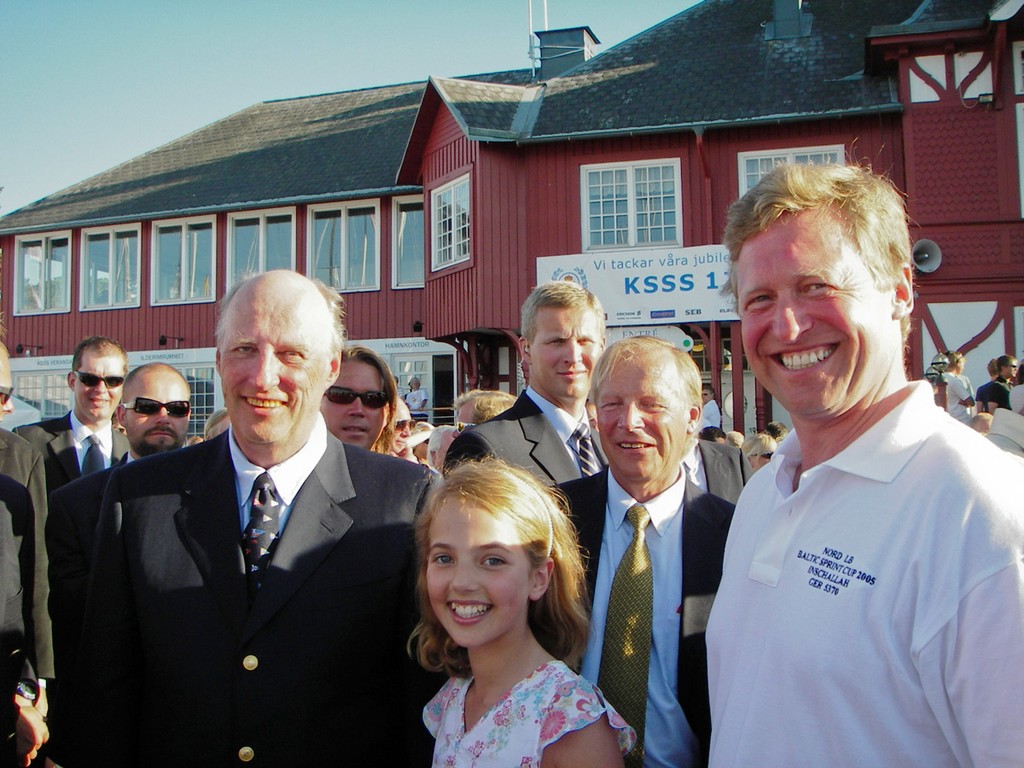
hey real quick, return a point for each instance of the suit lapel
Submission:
(316, 524)
(588, 512)
(208, 521)
(63, 447)
(548, 451)
(701, 535)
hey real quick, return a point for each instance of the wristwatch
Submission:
(27, 689)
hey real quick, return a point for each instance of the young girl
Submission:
(500, 589)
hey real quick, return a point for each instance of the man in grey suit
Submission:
(84, 440)
(546, 431)
(647, 395)
(20, 462)
(250, 596)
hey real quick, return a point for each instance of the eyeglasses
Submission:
(462, 426)
(5, 394)
(346, 396)
(405, 424)
(92, 380)
(143, 406)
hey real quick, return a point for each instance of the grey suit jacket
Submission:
(726, 468)
(524, 437)
(706, 520)
(24, 465)
(53, 439)
(174, 661)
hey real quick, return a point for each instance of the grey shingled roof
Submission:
(333, 145)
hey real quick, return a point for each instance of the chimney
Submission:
(787, 21)
(563, 49)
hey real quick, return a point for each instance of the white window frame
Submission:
(154, 254)
(1018, 68)
(343, 210)
(630, 168)
(49, 390)
(1020, 153)
(83, 271)
(262, 215)
(45, 238)
(436, 232)
(396, 217)
(782, 155)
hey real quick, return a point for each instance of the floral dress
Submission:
(535, 712)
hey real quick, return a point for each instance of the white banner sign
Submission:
(651, 285)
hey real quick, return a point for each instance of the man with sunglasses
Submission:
(359, 406)
(83, 440)
(155, 415)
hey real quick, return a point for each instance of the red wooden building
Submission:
(435, 207)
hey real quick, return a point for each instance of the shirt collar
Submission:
(879, 454)
(290, 474)
(80, 433)
(662, 507)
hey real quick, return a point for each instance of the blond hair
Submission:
(558, 294)
(559, 620)
(866, 206)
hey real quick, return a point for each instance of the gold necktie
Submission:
(626, 655)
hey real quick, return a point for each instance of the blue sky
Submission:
(85, 86)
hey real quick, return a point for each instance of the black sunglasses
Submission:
(143, 406)
(92, 380)
(346, 396)
(5, 394)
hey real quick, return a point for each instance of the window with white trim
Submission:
(183, 261)
(260, 242)
(344, 245)
(1020, 154)
(755, 165)
(449, 223)
(407, 242)
(631, 205)
(46, 392)
(110, 268)
(42, 273)
(202, 388)
(1018, 68)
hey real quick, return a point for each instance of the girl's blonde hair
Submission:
(559, 619)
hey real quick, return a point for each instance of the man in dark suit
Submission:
(22, 725)
(547, 432)
(84, 440)
(154, 413)
(250, 596)
(647, 394)
(721, 470)
(20, 462)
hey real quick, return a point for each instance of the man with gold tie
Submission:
(655, 541)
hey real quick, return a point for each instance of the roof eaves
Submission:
(439, 85)
(1006, 10)
(892, 30)
(894, 107)
(351, 194)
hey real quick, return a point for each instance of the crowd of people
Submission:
(591, 573)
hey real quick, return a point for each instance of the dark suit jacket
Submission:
(175, 669)
(54, 440)
(706, 520)
(23, 464)
(13, 662)
(70, 535)
(524, 437)
(726, 468)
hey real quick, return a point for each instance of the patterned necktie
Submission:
(93, 460)
(589, 463)
(626, 655)
(261, 534)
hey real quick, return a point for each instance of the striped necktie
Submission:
(589, 463)
(626, 654)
